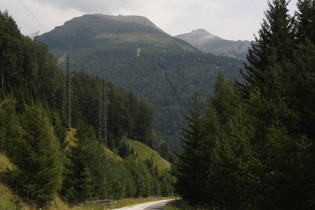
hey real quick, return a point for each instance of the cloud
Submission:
(91, 6)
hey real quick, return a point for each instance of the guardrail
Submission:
(105, 202)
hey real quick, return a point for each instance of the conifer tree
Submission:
(233, 158)
(36, 155)
(273, 46)
(305, 17)
(278, 78)
(85, 177)
(191, 164)
(305, 61)
(10, 51)
(9, 125)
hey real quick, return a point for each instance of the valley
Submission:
(141, 58)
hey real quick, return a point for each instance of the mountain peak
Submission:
(99, 18)
(207, 42)
(197, 34)
(200, 31)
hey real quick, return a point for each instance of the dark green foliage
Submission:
(33, 130)
(169, 77)
(305, 20)
(91, 174)
(9, 124)
(274, 46)
(235, 163)
(36, 154)
(141, 177)
(126, 116)
(192, 162)
(10, 51)
(161, 69)
(84, 178)
(259, 136)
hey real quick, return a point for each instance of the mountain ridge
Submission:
(209, 43)
(131, 29)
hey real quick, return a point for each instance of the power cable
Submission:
(15, 17)
(33, 15)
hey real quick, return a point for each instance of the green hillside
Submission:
(139, 57)
(7, 199)
(143, 152)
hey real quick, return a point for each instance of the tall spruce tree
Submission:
(37, 177)
(305, 17)
(305, 61)
(277, 79)
(274, 45)
(87, 171)
(234, 161)
(10, 51)
(191, 167)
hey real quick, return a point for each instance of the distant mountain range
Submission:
(209, 43)
(133, 53)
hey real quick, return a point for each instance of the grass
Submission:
(5, 163)
(71, 139)
(144, 152)
(7, 199)
(71, 136)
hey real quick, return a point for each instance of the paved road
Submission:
(155, 205)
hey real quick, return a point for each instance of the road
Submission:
(155, 205)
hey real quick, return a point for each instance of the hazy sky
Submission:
(229, 19)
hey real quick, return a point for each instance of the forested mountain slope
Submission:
(40, 104)
(141, 58)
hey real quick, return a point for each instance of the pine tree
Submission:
(10, 51)
(305, 17)
(85, 177)
(233, 158)
(271, 69)
(36, 155)
(191, 166)
(274, 46)
(305, 61)
(9, 125)
(279, 88)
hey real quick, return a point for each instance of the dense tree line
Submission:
(166, 80)
(38, 104)
(252, 147)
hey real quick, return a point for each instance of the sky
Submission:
(228, 19)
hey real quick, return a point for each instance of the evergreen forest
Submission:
(73, 136)
(155, 66)
(41, 105)
(252, 146)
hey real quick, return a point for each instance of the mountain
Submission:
(92, 30)
(209, 43)
(133, 53)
